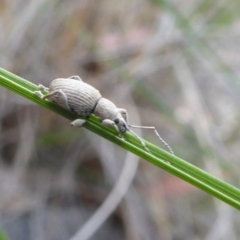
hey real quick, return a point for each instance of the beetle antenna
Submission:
(156, 132)
(142, 142)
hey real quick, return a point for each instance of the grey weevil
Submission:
(81, 98)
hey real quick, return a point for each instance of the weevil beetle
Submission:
(83, 99)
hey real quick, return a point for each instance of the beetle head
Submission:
(121, 124)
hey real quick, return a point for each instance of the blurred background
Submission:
(171, 64)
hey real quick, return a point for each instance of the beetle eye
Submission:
(116, 121)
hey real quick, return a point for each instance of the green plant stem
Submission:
(158, 156)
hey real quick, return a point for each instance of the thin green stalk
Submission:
(3, 235)
(158, 156)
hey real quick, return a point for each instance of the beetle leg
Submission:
(124, 114)
(110, 123)
(61, 97)
(76, 78)
(41, 87)
(78, 123)
(39, 94)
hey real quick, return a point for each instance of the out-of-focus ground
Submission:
(171, 64)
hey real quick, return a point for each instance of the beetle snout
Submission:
(122, 126)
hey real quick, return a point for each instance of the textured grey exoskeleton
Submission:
(81, 98)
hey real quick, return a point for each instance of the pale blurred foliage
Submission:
(172, 64)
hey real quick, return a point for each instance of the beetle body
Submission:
(81, 98)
